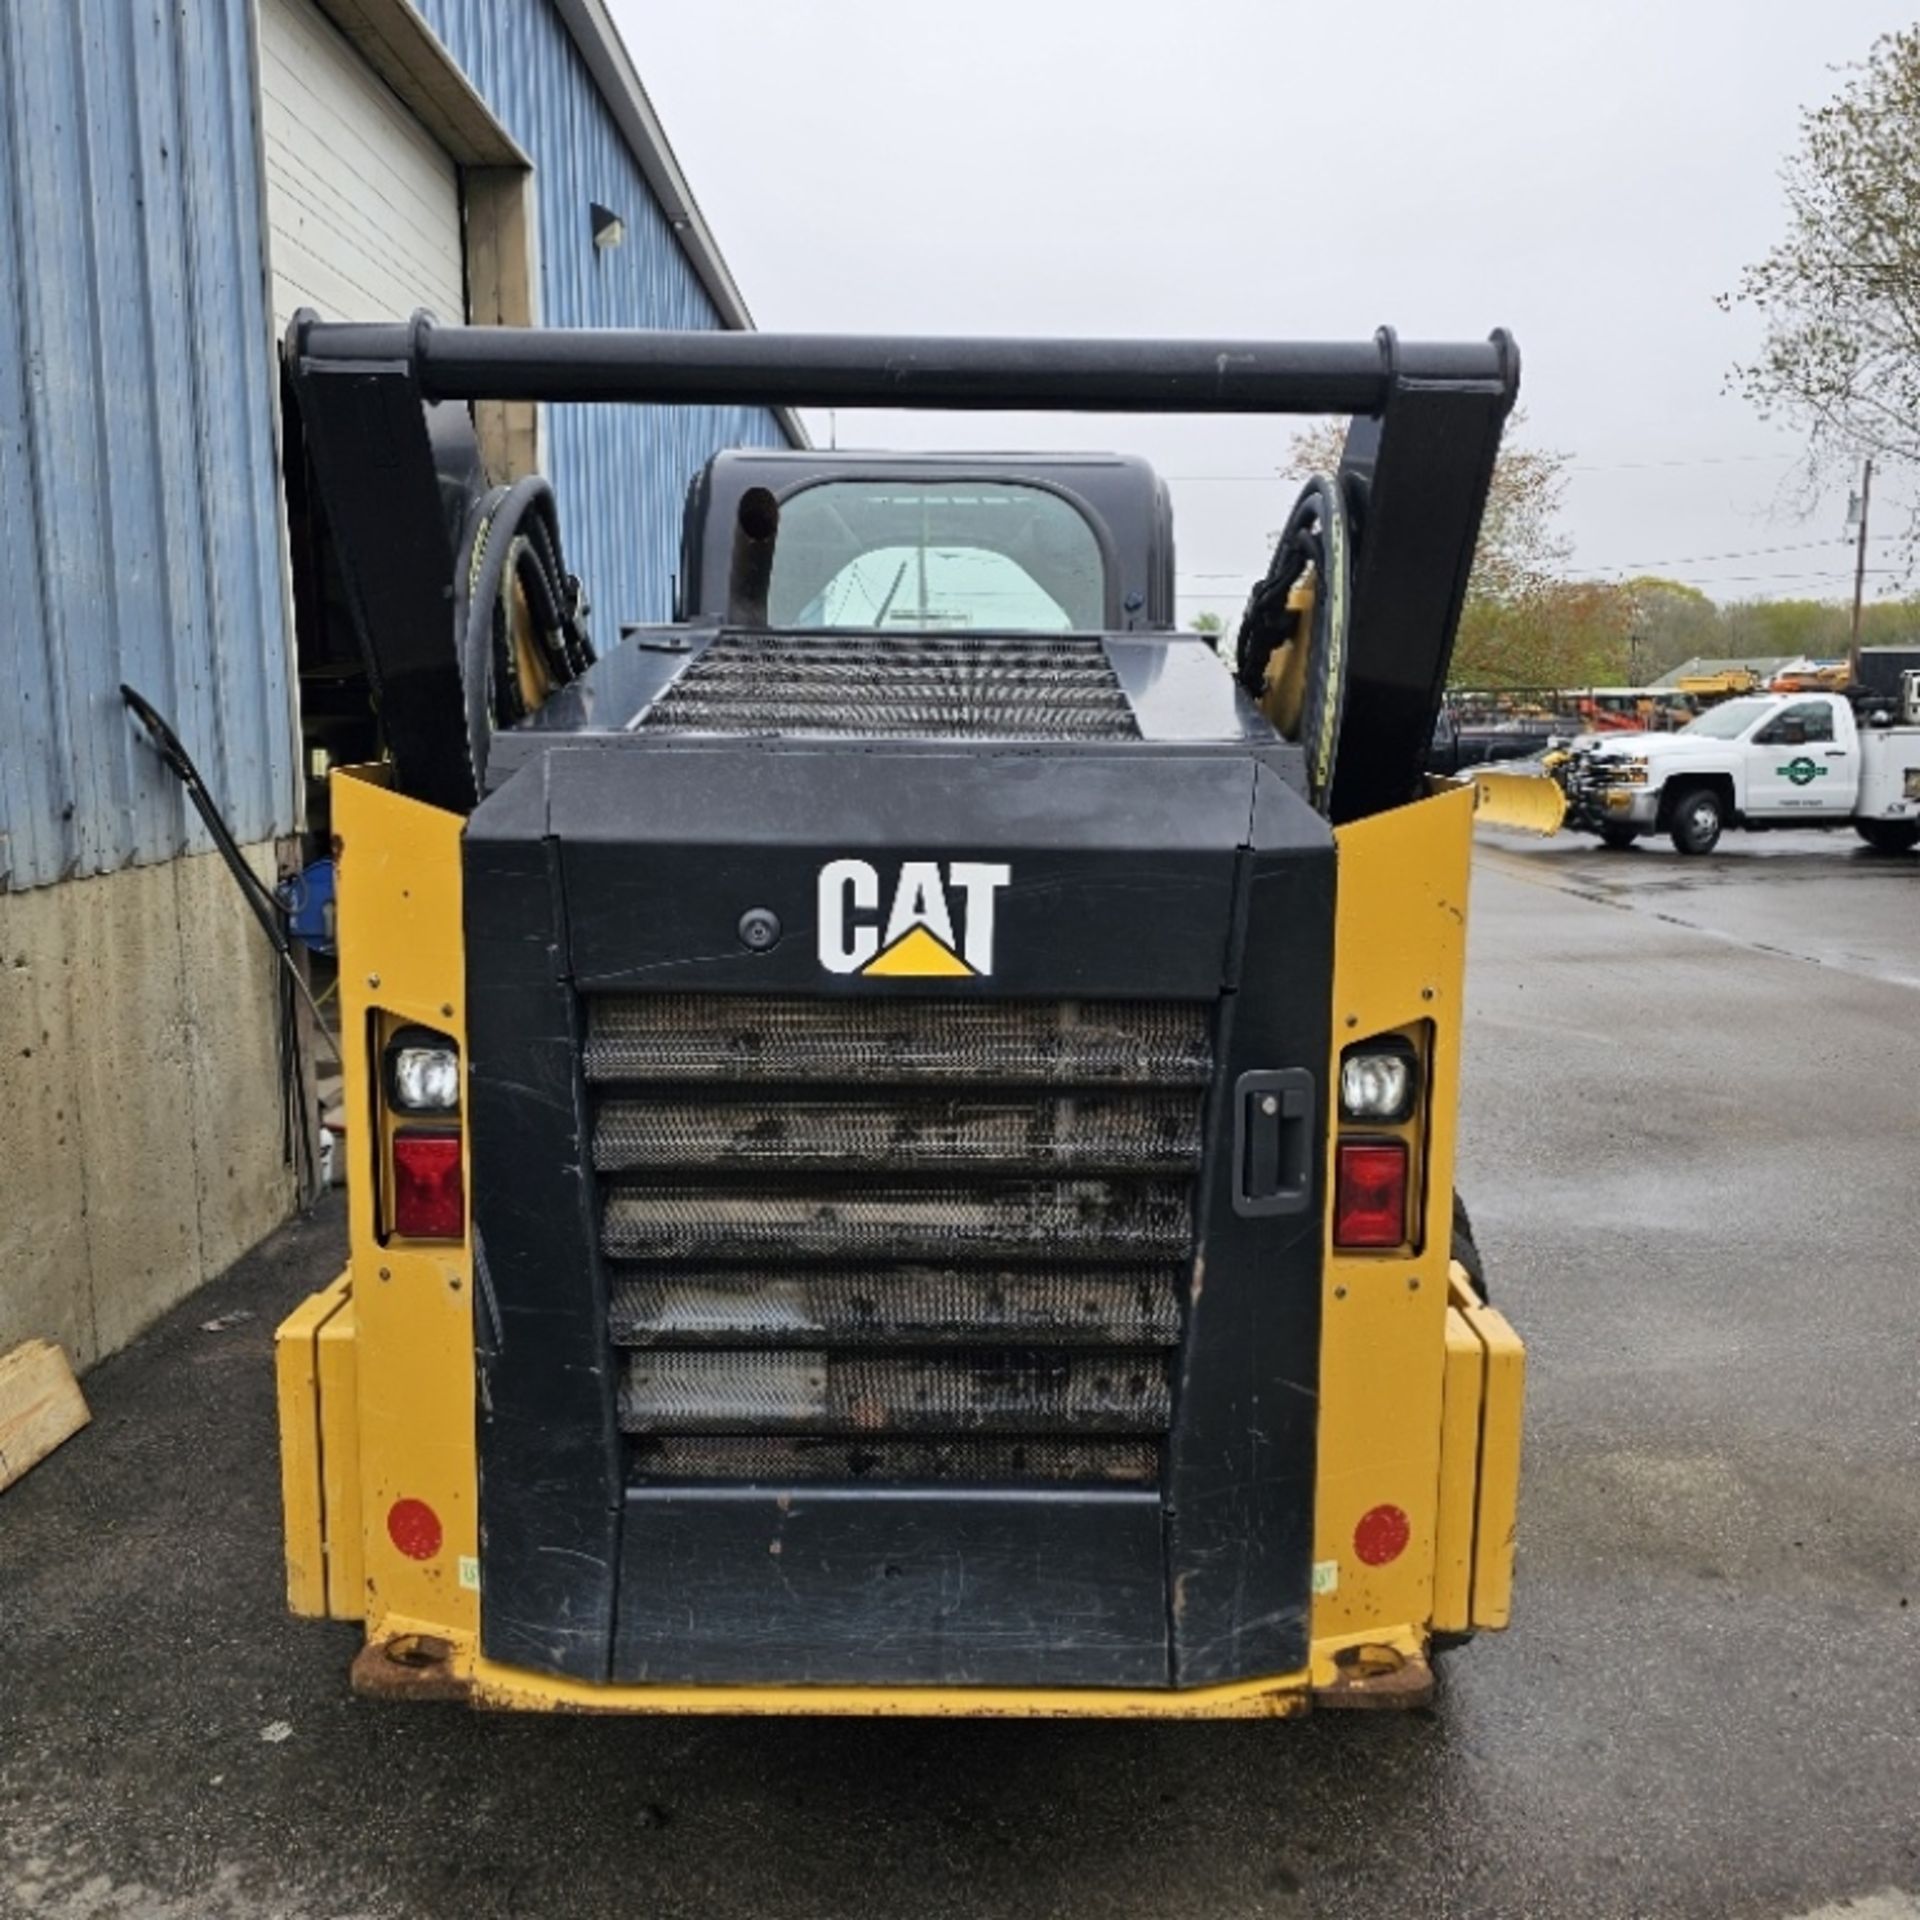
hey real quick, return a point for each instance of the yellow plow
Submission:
(1530, 802)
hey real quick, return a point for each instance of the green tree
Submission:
(1556, 633)
(1521, 545)
(1816, 627)
(1208, 623)
(1523, 623)
(1670, 622)
(1788, 627)
(1891, 623)
(1840, 292)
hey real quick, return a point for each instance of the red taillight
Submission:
(429, 1196)
(1370, 1194)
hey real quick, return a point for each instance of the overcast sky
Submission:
(1590, 176)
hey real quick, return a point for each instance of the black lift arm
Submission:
(380, 413)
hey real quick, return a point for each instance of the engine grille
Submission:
(1612, 771)
(976, 1459)
(903, 1306)
(904, 1133)
(1087, 1043)
(999, 687)
(869, 1238)
(797, 1391)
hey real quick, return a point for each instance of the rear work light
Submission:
(423, 1071)
(1370, 1194)
(1379, 1080)
(429, 1194)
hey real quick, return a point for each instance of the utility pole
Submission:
(1859, 576)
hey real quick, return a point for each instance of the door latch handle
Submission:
(1273, 1127)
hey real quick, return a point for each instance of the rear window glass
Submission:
(934, 556)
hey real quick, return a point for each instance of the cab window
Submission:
(934, 556)
(1726, 722)
(1805, 722)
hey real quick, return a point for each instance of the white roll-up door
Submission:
(363, 206)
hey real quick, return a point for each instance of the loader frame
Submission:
(383, 422)
(1417, 1405)
(1420, 1383)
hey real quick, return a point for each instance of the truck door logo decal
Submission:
(939, 922)
(1802, 771)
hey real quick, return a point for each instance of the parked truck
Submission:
(1757, 762)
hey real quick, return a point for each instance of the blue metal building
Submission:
(620, 472)
(140, 535)
(174, 179)
(139, 530)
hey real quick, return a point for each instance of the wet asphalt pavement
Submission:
(1692, 1142)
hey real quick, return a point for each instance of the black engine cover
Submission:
(675, 866)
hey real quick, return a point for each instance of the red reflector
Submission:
(429, 1197)
(1382, 1535)
(414, 1528)
(1370, 1194)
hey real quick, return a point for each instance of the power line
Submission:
(1839, 574)
(1827, 573)
(1692, 460)
(1586, 466)
(1246, 579)
(1741, 553)
(1671, 560)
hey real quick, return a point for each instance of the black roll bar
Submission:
(852, 370)
(383, 428)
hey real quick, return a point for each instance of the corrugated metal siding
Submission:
(138, 511)
(621, 473)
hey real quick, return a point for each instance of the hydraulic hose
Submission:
(296, 1138)
(1317, 535)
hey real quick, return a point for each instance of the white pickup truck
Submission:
(1770, 760)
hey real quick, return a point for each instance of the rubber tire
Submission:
(1619, 838)
(1889, 836)
(1323, 706)
(1699, 819)
(1466, 1250)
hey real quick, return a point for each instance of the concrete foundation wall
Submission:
(140, 1148)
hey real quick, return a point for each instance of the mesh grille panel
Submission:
(925, 1220)
(899, 1238)
(901, 1306)
(1087, 1043)
(800, 1391)
(978, 687)
(1157, 1134)
(973, 1457)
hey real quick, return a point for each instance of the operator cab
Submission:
(934, 543)
(1018, 598)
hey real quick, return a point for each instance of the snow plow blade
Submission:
(1532, 802)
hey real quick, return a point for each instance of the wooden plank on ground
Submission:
(40, 1406)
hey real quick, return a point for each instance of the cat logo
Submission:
(917, 939)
